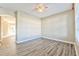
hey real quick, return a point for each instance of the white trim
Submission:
(60, 40)
(47, 38)
(31, 38)
(21, 41)
(17, 42)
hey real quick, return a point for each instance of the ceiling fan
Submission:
(40, 7)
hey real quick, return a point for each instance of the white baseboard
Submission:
(28, 39)
(59, 40)
(32, 38)
(20, 41)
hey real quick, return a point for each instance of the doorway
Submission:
(8, 35)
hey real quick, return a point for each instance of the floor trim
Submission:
(27, 40)
(60, 40)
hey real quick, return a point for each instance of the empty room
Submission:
(37, 29)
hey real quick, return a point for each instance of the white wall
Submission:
(59, 26)
(28, 27)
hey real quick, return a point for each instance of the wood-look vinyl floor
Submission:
(45, 47)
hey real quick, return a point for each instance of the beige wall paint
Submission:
(28, 27)
(59, 26)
